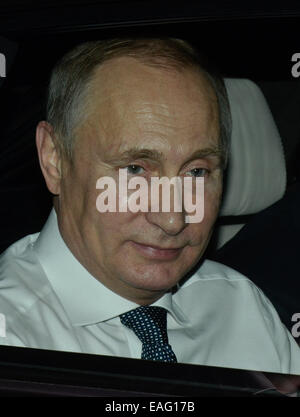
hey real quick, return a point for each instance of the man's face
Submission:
(153, 122)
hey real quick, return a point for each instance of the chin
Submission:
(155, 278)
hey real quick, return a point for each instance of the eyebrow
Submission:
(214, 152)
(137, 153)
(156, 156)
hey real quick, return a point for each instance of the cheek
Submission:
(200, 232)
(111, 228)
(211, 206)
(212, 198)
(78, 190)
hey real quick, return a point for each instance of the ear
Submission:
(49, 156)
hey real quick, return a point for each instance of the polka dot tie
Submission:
(150, 326)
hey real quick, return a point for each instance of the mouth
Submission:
(157, 252)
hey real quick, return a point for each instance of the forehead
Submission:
(136, 105)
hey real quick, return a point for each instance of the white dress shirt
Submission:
(217, 317)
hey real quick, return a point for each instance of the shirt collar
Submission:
(85, 299)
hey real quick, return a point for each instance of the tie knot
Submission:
(149, 324)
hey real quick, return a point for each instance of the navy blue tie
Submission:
(150, 325)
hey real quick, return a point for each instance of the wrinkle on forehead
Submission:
(130, 78)
(141, 104)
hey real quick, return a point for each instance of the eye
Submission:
(134, 169)
(198, 172)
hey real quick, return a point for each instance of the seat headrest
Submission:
(256, 170)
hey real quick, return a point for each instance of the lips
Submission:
(156, 252)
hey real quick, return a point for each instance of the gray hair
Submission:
(72, 76)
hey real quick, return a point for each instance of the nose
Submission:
(172, 223)
(165, 206)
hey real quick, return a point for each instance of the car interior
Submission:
(252, 45)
